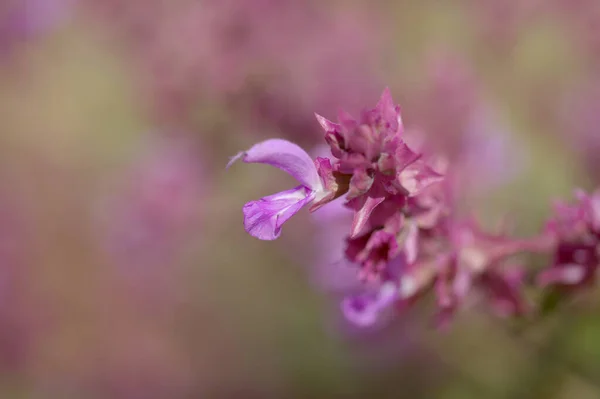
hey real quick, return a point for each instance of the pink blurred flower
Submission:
(19, 322)
(482, 261)
(576, 233)
(154, 214)
(502, 22)
(334, 65)
(453, 259)
(582, 17)
(490, 156)
(444, 106)
(580, 121)
(273, 61)
(21, 20)
(453, 123)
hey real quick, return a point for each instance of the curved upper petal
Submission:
(286, 156)
(263, 218)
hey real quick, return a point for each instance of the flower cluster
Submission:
(407, 238)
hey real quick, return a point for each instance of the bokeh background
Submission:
(125, 271)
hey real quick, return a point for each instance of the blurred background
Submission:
(125, 271)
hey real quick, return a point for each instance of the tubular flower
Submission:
(264, 218)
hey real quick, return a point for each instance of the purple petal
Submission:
(364, 310)
(360, 310)
(286, 156)
(263, 218)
